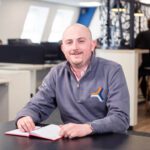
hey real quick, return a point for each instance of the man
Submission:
(91, 93)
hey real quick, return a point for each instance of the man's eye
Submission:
(68, 43)
(81, 41)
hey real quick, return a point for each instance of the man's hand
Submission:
(72, 130)
(26, 124)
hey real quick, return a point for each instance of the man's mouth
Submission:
(77, 53)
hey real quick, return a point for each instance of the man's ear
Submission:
(94, 44)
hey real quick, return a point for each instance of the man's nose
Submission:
(75, 45)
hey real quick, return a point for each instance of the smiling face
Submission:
(77, 45)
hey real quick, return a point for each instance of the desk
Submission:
(4, 83)
(94, 142)
(33, 69)
(14, 92)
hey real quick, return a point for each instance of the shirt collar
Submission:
(83, 71)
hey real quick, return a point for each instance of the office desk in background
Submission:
(37, 72)
(17, 83)
(14, 92)
(93, 142)
(4, 83)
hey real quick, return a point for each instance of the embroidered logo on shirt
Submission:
(98, 94)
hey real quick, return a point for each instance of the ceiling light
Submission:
(138, 14)
(89, 4)
(137, 10)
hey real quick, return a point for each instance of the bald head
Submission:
(77, 45)
(77, 29)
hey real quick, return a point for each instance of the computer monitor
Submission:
(19, 41)
(53, 52)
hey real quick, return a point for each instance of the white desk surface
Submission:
(3, 81)
(13, 66)
(123, 50)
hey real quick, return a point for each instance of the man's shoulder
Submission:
(105, 62)
(108, 67)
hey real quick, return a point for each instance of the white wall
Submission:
(13, 14)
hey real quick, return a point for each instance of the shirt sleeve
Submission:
(43, 102)
(117, 118)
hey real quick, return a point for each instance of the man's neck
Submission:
(79, 71)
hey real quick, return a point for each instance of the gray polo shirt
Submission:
(100, 97)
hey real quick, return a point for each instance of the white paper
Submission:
(48, 132)
(19, 132)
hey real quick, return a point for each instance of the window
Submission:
(34, 23)
(62, 20)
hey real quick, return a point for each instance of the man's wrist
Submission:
(90, 126)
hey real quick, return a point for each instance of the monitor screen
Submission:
(19, 41)
(52, 51)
